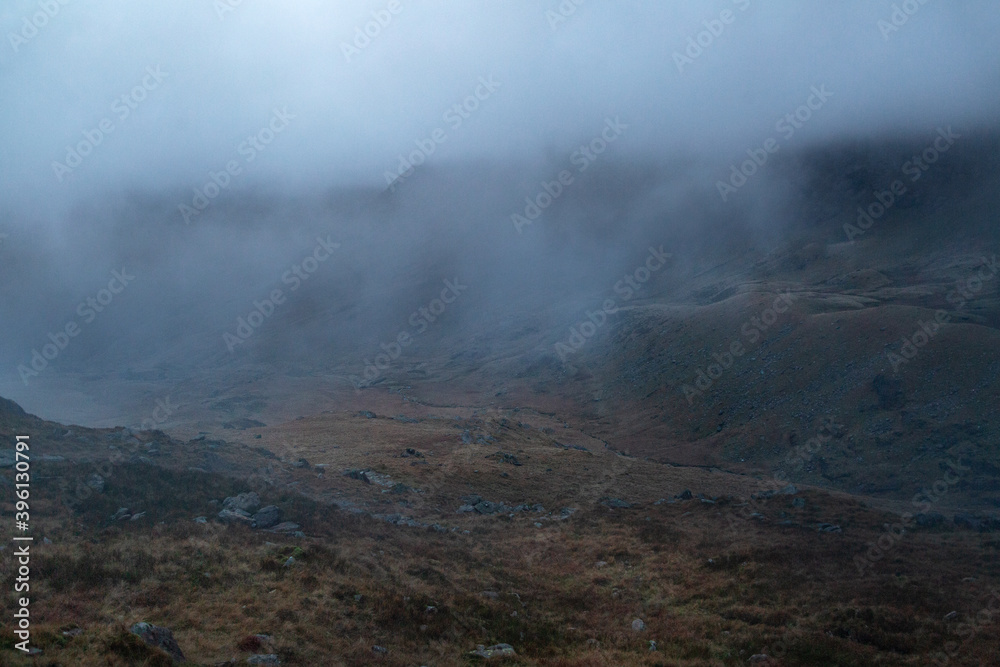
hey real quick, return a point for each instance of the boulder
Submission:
(248, 502)
(266, 517)
(159, 637)
(285, 527)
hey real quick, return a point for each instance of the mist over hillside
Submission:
(572, 333)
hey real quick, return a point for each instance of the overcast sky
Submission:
(226, 69)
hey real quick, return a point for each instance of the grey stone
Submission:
(285, 527)
(638, 625)
(159, 637)
(266, 517)
(248, 502)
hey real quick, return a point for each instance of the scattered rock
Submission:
(247, 502)
(951, 616)
(652, 645)
(614, 503)
(367, 413)
(505, 457)
(828, 528)
(789, 490)
(72, 632)
(355, 473)
(758, 658)
(493, 595)
(122, 513)
(410, 451)
(137, 516)
(290, 562)
(266, 517)
(684, 495)
(158, 637)
(302, 463)
(380, 650)
(798, 503)
(495, 651)
(638, 625)
(487, 507)
(201, 519)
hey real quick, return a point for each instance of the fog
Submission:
(209, 148)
